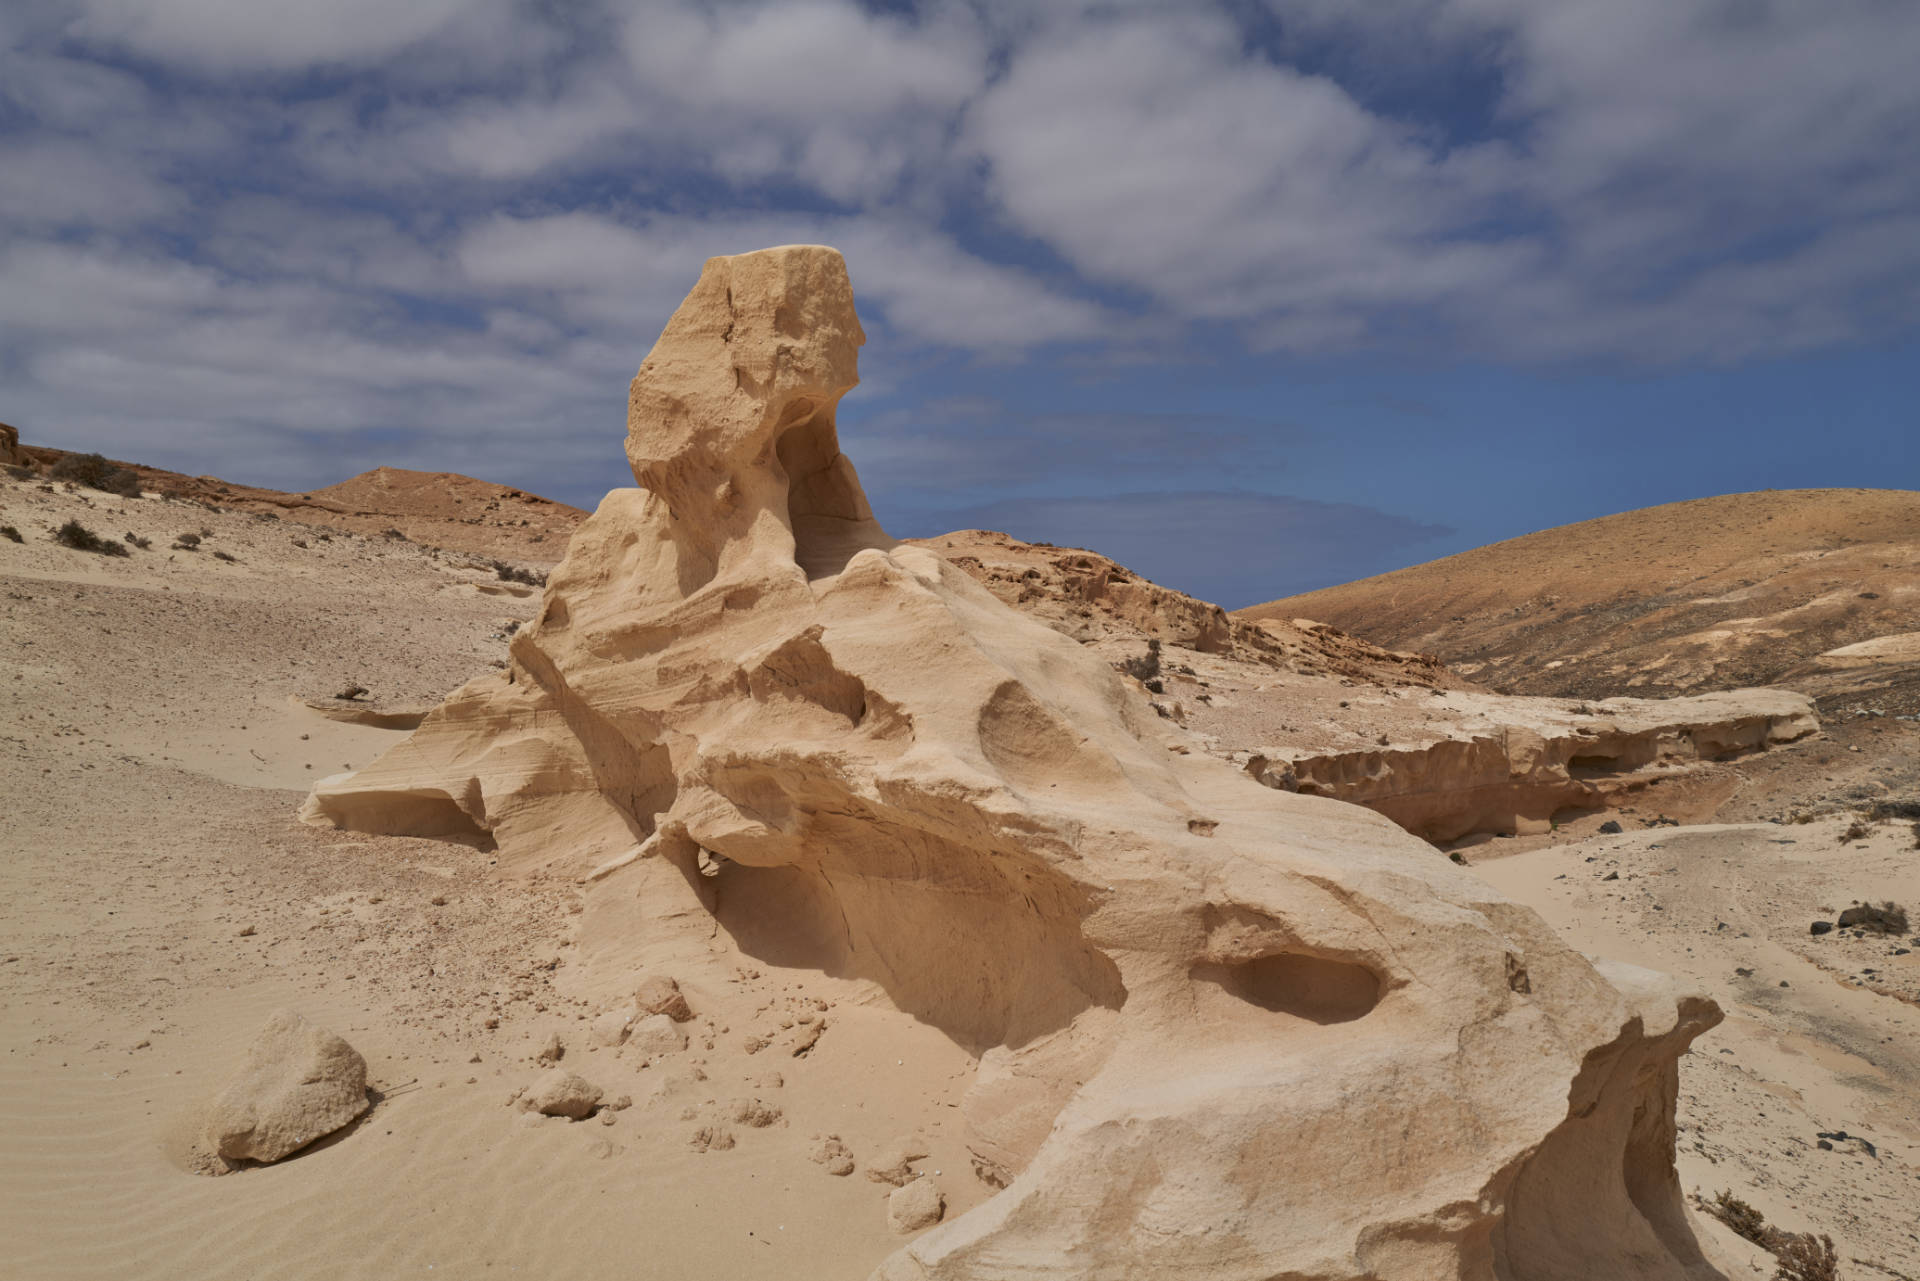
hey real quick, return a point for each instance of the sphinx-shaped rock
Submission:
(1224, 1031)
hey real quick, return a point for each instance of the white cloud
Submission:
(276, 35)
(599, 271)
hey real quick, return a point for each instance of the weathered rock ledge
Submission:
(1513, 777)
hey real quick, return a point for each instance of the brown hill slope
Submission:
(437, 508)
(1742, 589)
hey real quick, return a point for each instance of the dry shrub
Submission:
(1886, 918)
(1804, 1257)
(517, 574)
(12, 535)
(142, 543)
(96, 472)
(77, 536)
(1145, 667)
(1856, 831)
(1799, 1256)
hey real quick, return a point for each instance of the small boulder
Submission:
(610, 1029)
(561, 1093)
(657, 1034)
(836, 1156)
(1611, 827)
(661, 995)
(894, 1164)
(1820, 927)
(915, 1206)
(754, 1113)
(298, 1082)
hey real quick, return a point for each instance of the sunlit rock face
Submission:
(1223, 1031)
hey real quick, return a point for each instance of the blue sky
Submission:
(1255, 295)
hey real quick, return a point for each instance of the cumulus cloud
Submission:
(315, 227)
(276, 35)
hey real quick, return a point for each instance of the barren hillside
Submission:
(1742, 589)
(436, 508)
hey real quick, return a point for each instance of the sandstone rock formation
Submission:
(10, 455)
(298, 1083)
(1536, 762)
(1223, 1031)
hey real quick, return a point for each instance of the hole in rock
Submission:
(981, 944)
(825, 507)
(423, 813)
(1307, 987)
(1594, 766)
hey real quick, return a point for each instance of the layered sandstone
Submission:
(1515, 765)
(1222, 1031)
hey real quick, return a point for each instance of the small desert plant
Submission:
(1887, 918)
(395, 535)
(20, 473)
(1145, 667)
(77, 536)
(187, 542)
(1856, 831)
(352, 692)
(142, 543)
(11, 534)
(1738, 1215)
(517, 574)
(1881, 811)
(1804, 1257)
(1800, 1256)
(96, 472)
(224, 556)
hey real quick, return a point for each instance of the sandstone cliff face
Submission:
(1223, 1031)
(1517, 774)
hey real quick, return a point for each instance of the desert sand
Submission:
(954, 893)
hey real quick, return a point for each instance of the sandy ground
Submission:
(151, 764)
(158, 900)
(1822, 1035)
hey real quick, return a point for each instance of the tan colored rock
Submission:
(657, 1034)
(298, 1082)
(10, 455)
(1234, 1032)
(1510, 765)
(561, 1093)
(915, 1206)
(658, 994)
(894, 1163)
(834, 1155)
(610, 1029)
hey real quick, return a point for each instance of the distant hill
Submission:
(441, 509)
(1742, 589)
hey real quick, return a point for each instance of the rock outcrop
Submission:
(298, 1083)
(1518, 776)
(10, 455)
(1223, 1031)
